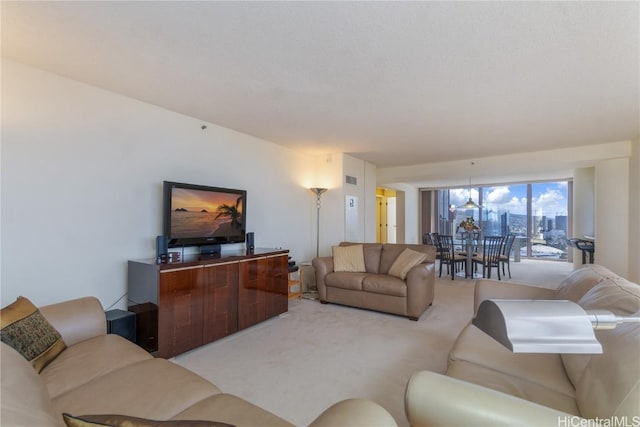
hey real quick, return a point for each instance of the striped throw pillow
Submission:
(349, 258)
(405, 262)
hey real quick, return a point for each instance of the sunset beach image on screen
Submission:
(198, 213)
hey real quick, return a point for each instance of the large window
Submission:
(537, 213)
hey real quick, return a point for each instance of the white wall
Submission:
(331, 172)
(411, 213)
(81, 178)
(612, 215)
(634, 212)
(521, 167)
(370, 203)
(365, 191)
(583, 208)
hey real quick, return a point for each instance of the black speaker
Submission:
(146, 325)
(162, 247)
(250, 242)
(121, 323)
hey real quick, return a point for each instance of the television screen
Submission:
(201, 215)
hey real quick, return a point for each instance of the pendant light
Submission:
(470, 204)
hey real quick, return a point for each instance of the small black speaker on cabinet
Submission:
(162, 248)
(250, 242)
(121, 323)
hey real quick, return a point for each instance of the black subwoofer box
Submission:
(121, 323)
(146, 325)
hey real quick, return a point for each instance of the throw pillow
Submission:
(24, 328)
(349, 258)
(128, 421)
(405, 262)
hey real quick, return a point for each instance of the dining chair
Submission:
(505, 256)
(490, 256)
(448, 256)
(432, 238)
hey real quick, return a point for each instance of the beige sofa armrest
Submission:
(77, 320)
(354, 413)
(434, 400)
(491, 289)
(322, 266)
(420, 288)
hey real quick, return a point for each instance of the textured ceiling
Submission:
(394, 83)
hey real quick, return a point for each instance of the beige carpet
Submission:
(300, 363)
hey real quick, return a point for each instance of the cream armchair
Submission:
(486, 384)
(437, 400)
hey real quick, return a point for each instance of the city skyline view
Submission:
(548, 198)
(504, 210)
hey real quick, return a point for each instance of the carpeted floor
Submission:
(298, 364)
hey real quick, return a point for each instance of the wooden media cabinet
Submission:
(205, 298)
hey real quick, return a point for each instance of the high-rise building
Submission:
(504, 223)
(562, 223)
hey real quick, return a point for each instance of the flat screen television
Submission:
(198, 215)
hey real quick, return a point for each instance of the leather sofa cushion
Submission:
(610, 384)
(345, 280)
(580, 281)
(228, 408)
(154, 388)
(384, 284)
(88, 309)
(388, 256)
(372, 253)
(512, 385)
(547, 370)
(607, 382)
(616, 295)
(25, 401)
(90, 359)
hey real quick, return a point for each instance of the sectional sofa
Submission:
(486, 384)
(101, 374)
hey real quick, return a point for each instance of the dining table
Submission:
(468, 241)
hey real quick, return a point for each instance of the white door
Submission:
(391, 220)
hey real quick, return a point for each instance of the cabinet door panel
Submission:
(251, 297)
(180, 305)
(263, 290)
(277, 299)
(220, 286)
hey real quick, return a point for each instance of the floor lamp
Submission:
(545, 326)
(313, 293)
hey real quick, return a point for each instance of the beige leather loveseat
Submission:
(375, 288)
(486, 384)
(106, 374)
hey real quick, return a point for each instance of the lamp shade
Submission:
(318, 191)
(470, 204)
(538, 326)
